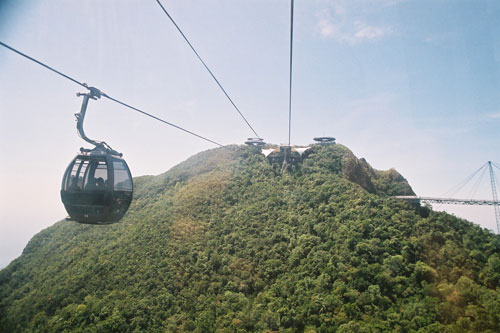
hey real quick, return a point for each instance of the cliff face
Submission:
(388, 183)
(225, 242)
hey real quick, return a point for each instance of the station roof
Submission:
(324, 139)
(299, 150)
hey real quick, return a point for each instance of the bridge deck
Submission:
(449, 200)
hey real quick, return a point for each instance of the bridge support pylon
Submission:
(495, 196)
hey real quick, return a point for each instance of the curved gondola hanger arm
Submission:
(94, 94)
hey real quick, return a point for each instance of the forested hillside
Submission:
(225, 242)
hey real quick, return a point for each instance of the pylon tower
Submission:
(496, 207)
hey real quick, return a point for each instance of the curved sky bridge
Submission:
(452, 201)
(488, 167)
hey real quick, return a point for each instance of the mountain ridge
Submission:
(224, 241)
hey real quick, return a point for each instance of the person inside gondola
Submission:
(74, 184)
(91, 184)
(100, 184)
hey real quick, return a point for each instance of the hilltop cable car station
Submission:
(286, 154)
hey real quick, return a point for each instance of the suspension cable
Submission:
(109, 97)
(161, 120)
(497, 179)
(206, 67)
(291, 67)
(454, 190)
(42, 64)
(476, 185)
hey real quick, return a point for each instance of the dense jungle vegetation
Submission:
(224, 242)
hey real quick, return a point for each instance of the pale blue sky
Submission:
(411, 85)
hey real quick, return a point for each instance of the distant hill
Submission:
(225, 242)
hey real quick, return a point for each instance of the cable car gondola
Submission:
(97, 186)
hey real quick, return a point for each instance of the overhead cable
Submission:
(497, 179)
(476, 185)
(291, 67)
(109, 97)
(461, 185)
(161, 120)
(206, 67)
(42, 64)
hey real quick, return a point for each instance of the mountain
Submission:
(226, 242)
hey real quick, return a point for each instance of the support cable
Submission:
(496, 178)
(291, 67)
(476, 184)
(109, 97)
(454, 190)
(160, 120)
(496, 165)
(44, 65)
(206, 67)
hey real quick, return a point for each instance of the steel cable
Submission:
(107, 96)
(206, 67)
(291, 67)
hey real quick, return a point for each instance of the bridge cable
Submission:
(497, 179)
(107, 96)
(291, 68)
(497, 166)
(477, 183)
(455, 189)
(206, 67)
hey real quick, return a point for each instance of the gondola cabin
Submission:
(97, 187)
